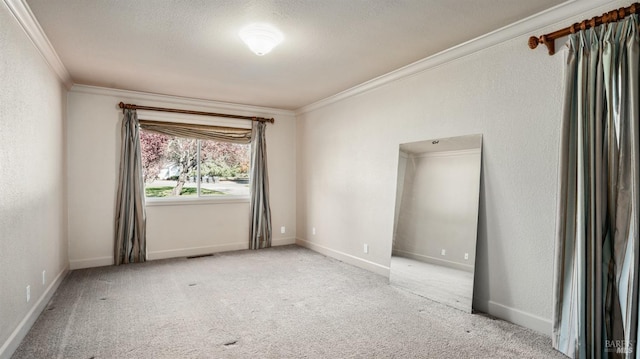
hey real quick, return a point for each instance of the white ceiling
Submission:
(191, 48)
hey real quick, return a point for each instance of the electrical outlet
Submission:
(313, 231)
(366, 248)
(443, 252)
(466, 256)
(28, 293)
(283, 230)
(44, 277)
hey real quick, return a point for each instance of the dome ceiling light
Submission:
(261, 38)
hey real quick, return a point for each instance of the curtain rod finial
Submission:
(533, 43)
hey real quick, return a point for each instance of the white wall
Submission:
(348, 158)
(439, 208)
(32, 190)
(174, 230)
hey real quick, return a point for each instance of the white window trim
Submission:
(187, 201)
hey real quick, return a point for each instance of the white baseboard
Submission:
(196, 251)
(344, 257)
(90, 262)
(433, 260)
(14, 340)
(175, 253)
(516, 316)
(283, 241)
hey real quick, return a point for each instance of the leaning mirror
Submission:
(436, 219)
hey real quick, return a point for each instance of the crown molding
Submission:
(529, 25)
(21, 11)
(128, 95)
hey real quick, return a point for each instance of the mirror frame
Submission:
(460, 296)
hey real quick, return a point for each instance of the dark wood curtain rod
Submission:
(129, 106)
(611, 16)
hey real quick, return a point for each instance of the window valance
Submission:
(201, 132)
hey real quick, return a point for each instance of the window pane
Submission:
(224, 168)
(170, 167)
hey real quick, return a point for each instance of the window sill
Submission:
(195, 201)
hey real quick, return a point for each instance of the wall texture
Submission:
(172, 230)
(32, 183)
(439, 208)
(348, 158)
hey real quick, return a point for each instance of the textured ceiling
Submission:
(191, 48)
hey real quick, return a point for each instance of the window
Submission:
(178, 167)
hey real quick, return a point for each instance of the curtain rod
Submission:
(129, 106)
(607, 17)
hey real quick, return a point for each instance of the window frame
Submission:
(199, 120)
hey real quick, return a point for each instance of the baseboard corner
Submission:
(283, 241)
(516, 316)
(90, 262)
(345, 257)
(13, 342)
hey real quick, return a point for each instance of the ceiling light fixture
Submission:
(261, 38)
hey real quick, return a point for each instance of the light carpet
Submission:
(282, 302)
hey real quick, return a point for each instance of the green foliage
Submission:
(211, 168)
(186, 191)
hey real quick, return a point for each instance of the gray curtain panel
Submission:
(260, 234)
(597, 248)
(130, 226)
